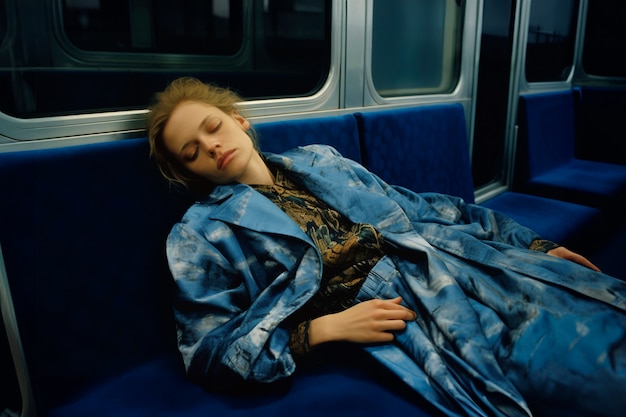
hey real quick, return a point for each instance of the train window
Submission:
(117, 53)
(605, 38)
(416, 46)
(551, 40)
(3, 21)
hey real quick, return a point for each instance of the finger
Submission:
(579, 259)
(586, 262)
(393, 303)
(393, 325)
(404, 314)
(562, 252)
(390, 325)
(410, 314)
(397, 300)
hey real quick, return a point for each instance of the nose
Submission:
(211, 146)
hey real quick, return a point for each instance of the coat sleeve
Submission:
(428, 212)
(222, 340)
(479, 221)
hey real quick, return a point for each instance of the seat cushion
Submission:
(559, 221)
(591, 183)
(159, 389)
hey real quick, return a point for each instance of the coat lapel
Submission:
(233, 203)
(363, 199)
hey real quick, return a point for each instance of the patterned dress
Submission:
(348, 251)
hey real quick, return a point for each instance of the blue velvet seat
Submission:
(159, 389)
(425, 149)
(82, 231)
(420, 148)
(339, 131)
(574, 225)
(547, 165)
(600, 123)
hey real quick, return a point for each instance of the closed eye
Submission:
(211, 124)
(191, 153)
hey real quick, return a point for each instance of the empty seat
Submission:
(546, 163)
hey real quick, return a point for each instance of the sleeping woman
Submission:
(283, 254)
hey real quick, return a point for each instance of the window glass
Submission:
(3, 21)
(416, 46)
(161, 26)
(551, 40)
(88, 56)
(492, 98)
(605, 38)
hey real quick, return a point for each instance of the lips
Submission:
(224, 159)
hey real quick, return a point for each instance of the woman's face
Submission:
(211, 144)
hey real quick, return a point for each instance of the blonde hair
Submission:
(183, 90)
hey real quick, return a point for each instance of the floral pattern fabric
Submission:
(349, 251)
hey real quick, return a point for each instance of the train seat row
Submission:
(434, 157)
(82, 233)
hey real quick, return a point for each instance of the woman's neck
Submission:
(260, 172)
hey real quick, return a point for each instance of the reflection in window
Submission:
(492, 98)
(416, 46)
(605, 38)
(164, 26)
(551, 40)
(3, 20)
(117, 53)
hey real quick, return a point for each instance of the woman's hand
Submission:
(371, 321)
(562, 252)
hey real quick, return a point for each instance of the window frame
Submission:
(581, 77)
(526, 86)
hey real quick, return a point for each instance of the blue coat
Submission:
(242, 266)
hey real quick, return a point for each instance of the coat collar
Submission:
(363, 197)
(230, 204)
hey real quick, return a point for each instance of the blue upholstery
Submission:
(338, 131)
(559, 221)
(425, 149)
(600, 124)
(420, 148)
(159, 389)
(82, 231)
(547, 165)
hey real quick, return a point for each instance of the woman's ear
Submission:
(243, 122)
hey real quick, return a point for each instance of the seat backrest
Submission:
(546, 132)
(600, 121)
(341, 132)
(421, 148)
(83, 233)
